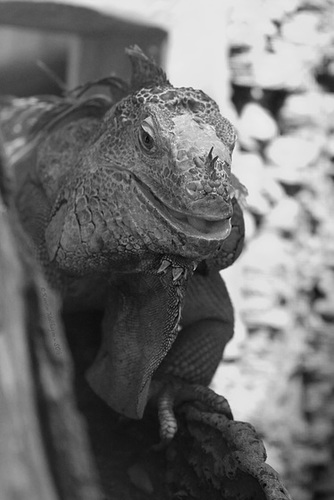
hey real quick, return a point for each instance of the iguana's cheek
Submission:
(73, 237)
(85, 232)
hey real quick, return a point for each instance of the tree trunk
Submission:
(44, 451)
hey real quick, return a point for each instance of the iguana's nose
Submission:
(215, 169)
(206, 186)
(209, 187)
(210, 197)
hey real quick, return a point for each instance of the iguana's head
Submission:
(170, 150)
(178, 148)
(157, 171)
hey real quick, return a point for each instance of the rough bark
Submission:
(44, 452)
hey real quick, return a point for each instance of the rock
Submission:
(256, 124)
(244, 34)
(290, 157)
(330, 145)
(285, 217)
(263, 190)
(328, 109)
(278, 10)
(248, 24)
(327, 247)
(325, 305)
(234, 348)
(268, 256)
(321, 5)
(305, 28)
(285, 68)
(273, 189)
(326, 284)
(293, 152)
(307, 109)
(249, 168)
(276, 318)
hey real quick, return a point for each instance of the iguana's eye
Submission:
(146, 139)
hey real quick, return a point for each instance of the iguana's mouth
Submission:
(213, 227)
(206, 226)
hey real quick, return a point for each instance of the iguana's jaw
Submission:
(220, 228)
(206, 226)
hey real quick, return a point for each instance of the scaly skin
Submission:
(123, 198)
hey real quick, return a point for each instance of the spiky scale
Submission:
(145, 73)
(163, 266)
(177, 273)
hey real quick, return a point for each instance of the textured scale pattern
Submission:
(124, 197)
(216, 457)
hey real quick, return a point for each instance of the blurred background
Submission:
(270, 66)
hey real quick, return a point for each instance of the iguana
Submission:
(132, 207)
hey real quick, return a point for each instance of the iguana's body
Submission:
(123, 200)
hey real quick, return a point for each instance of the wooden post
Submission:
(44, 452)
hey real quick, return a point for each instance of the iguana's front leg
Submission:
(207, 326)
(140, 324)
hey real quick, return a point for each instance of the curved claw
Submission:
(176, 392)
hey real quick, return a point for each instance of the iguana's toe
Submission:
(166, 415)
(174, 392)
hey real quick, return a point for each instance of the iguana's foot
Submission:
(175, 392)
